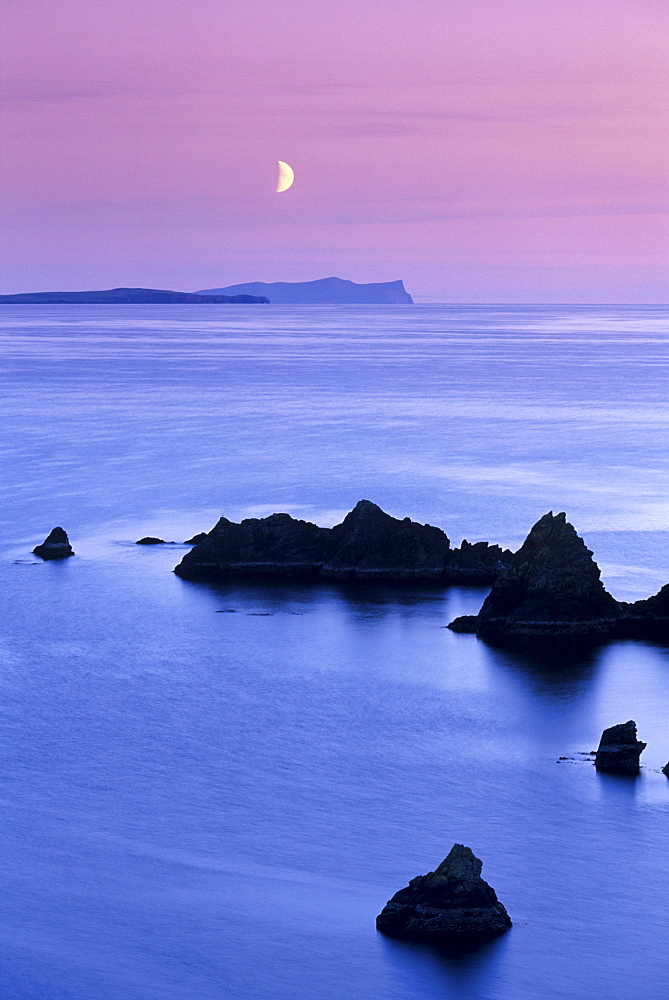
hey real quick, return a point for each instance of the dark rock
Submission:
(279, 545)
(619, 750)
(665, 769)
(647, 619)
(55, 546)
(150, 540)
(476, 562)
(369, 545)
(196, 539)
(467, 624)
(451, 906)
(551, 586)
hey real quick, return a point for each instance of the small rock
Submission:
(467, 624)
(619, 750)
(196, 539)
(55, 546)
(665, 769)
(150, 540)
(450, 906)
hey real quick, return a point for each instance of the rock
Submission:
(369, 545)
(279, 545)
(551, 586)
(649, 618)
(150, 540)
(476, 562)
(196, 539)
(55, 546)
(467, 624)
(451, 906)
(619, 750)
(665, 769)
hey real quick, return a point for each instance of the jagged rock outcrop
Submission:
(476, 562)
(551, 586)
(369, 545)
(150, 540)
(56, 545)
(665, 769)
(451, 907)
(619, 750)
(279, 545)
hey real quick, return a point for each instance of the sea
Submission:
(209, 791)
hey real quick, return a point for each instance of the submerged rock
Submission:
(369, 545)
(451, 906)
(619, 750)
(150, 540)
(55, 546)
(551, 586)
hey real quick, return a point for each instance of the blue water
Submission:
(205, 806)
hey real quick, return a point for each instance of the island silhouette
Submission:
(324, 290)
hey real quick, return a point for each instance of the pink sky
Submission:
(482, 150)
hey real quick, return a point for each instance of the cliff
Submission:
(325, 290)
(124, 296)
(369, 545)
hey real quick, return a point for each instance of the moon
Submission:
(286, 177)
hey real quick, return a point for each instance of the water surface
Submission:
(216, 805)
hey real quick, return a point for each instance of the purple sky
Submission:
(482, 150)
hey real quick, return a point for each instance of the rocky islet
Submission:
(368, 546)
(619, 750)
(55, 546)
(450, 907)
(552, 588)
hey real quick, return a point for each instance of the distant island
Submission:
(325, 291)
(124, 296)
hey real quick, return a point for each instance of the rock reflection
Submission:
(551, 666)
(471, 972)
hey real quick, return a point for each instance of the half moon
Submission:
(286, 177)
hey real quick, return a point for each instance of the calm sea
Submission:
(205, 806)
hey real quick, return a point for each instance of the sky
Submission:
(481, 150)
